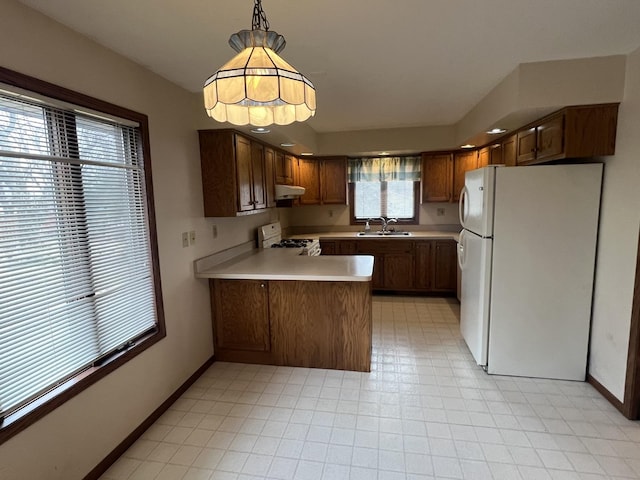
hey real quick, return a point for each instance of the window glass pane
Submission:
(400, 201)
(367, 200)
(76, 279)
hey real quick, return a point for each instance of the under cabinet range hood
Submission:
(286, 192)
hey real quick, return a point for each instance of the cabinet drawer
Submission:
(384, 246)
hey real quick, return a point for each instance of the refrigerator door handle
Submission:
(461, 257)
(463, 195)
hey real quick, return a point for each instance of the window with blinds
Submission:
(76, 273)
(384, 187)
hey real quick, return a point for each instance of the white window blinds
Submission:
(76, 280)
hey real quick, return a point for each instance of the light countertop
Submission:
(415, 235)
(286, 264)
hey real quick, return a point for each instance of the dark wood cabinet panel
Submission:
(309, 178)
(244, 182)
(270, 176)
(328, 247)
(235, 179)
(398, 271)
(325, 180)
(348, 247)
(495, 154)
(484, 157)
(241, 315)
(284, 168)
(550, 137)
(462, 163)
(321, 324)
(258, 181)
(424, 267)
(437, 177)
(574, 132)
(509, 151)
(445, 266)
(333, 181)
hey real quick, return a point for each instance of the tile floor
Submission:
(425, 411)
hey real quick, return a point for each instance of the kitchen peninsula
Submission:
(273, 306)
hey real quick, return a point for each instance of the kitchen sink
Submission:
(384, 234)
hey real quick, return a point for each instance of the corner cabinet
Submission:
(462, 163)
(325, 180)
(237, 174)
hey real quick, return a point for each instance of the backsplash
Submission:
(328, 218)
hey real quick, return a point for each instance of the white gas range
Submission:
(270, 236)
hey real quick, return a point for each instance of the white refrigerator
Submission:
(527, 253)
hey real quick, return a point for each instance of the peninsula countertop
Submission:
(287, 264)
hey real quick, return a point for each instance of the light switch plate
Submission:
(185, 239)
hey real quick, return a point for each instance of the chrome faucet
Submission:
(386, 222)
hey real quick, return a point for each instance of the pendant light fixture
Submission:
(257, 87)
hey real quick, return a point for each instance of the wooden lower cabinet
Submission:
(445, 266)
(240, 311)
(321, 324)
(293, 323)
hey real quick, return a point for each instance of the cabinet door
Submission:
(334, 181)
(445, 265)
(495, 155)
(526, 144)
(241, 315)
(509, 151)
(309, 178)
(377, 278)
(328, 248)
(398, 271)
(288, 167)
(347, 247)
(270, 176)
(484, 157)
(243, 173)
(437, 177)
(550, 137)
(424, 267)
(258, 176)
(462, 162)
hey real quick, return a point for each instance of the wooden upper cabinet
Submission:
(244, 162)
(437, 177)
(495, 154)
(270, 176)
(484, 157)
(309, 178)
(325, 180)
(333, 181)
(462, 163)
(574, 132)
(509, 151)
(258, 183)
(284, 168)
(235, 180)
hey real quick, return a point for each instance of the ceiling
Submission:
(374, 63)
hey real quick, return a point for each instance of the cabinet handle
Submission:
(262, 285)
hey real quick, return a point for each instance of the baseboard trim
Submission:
(117, 452)
(606, 394)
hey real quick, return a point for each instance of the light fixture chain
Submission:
(259, 21)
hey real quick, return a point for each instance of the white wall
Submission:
(617, 243)
(70, 441)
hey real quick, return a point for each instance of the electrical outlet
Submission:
(440, 212)
(192, 237)
(214, 230)
(185, 239)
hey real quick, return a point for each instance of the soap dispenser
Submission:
(367, 227)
